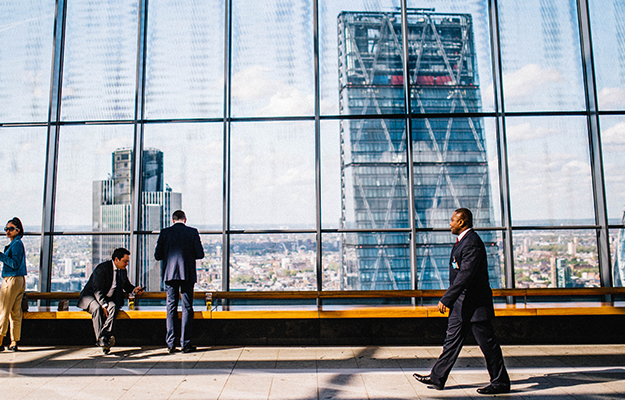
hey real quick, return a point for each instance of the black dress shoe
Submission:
(13, 348)
(427, 380)
(1, 347)
(189, 349)
(490, 389)
(171, 350)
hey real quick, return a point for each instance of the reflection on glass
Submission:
(99, 71)
(208, 269)
(272, 59)
(194, 170)
(613, 148)
(617, 249)
(608, 37)
(273, 262)
(26, 30)
(549, 162)
(556, 259)
(541, 57)
(72, 261)
(23, 155)
(185, 59)
(94, 170)
(273, 175)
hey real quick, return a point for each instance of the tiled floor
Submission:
(303, 373)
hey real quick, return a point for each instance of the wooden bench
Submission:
(320, 311)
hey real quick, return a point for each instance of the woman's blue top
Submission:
(14, 259)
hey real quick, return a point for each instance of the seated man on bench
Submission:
(103, 296)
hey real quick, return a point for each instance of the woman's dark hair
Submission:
(18, 224)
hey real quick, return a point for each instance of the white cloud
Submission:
(254, 82)
(612, 97)
(289, 101)
(614, 134)
(261, 85)
(516, 133)
(527, 79)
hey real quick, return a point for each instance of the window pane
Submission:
(99, 70)
(453, 168)
(273, 262)
(185, 59)
(434, 251)
(374, 261)
(608, 34)
(23, 155)
(373, 174)
(74, 258)
(272, 58)
(562, 258)
(613, 142)
(26, 39)
(550, 182)
(617, 249)
(183, 169)
(331, 148)
(339, 57)
(450, 62)
(541, 56)
(208, 269)
(273, 175)
(94, 176)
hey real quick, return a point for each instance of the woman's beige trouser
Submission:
(11, 294)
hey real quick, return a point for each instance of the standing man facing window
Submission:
(469, 300)
(103, 296)
(178, 247)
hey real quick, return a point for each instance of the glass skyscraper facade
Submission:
(316, 145)
(449, 154)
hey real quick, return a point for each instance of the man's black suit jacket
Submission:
(469, 296)
(99, 285)
(178, 247)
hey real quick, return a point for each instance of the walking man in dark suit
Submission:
(103, 296)
(469, 300)
(178, 247)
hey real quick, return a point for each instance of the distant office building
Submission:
(564, 273)
(112, 206)
(450, 163)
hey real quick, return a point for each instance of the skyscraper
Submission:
(112, 206)
(450, 164)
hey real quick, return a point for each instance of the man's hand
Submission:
(442, 308)
(106, 312)
(138, 290)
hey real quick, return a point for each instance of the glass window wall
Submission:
(232, 136)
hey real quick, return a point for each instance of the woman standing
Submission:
(12, 290)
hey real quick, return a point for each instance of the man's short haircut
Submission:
(466, 215)
(179, 215)
(119, 253)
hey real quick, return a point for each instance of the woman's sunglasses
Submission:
(10, 228)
